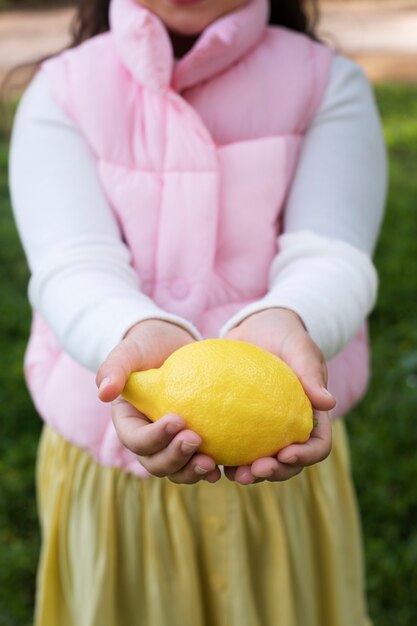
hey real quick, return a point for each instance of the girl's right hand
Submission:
(166, 447)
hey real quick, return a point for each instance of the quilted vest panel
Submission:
(198, 190)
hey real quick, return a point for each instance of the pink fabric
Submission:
(198, 188)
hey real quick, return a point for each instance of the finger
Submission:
(244, 476)
(230, 472)
(315, 388)
(312, 371)
(139, 434)
(307, 361)
(146, 345)
(241, 474)
(272, 470)
(264, 467)
(199, 467)
(110, 388)
(316, 449)
(213, 476)
(111, 378)
(174, 457)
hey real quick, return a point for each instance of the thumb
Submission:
(308, 363)
(146, 346)
(317, 392)
(124, 359)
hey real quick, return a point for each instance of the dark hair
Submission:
(92, 17)
(299, 15)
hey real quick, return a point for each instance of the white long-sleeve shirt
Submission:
(81, 279)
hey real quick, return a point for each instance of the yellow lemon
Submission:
(244, 402)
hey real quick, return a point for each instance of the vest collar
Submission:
(144, 46)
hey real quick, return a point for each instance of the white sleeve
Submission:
(82, 281)
(323, 270)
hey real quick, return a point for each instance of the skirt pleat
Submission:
(118, 550)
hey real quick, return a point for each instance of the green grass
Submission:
(382, 429)
(19, 428)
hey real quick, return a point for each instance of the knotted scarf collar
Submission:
(144, 45)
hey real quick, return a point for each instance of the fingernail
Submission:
(290, 461)
(248, 478)
(173, 428)
(188, 447)
(104, 383)
(201, 470)
(327, 393)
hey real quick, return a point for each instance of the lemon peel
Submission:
(244, 402)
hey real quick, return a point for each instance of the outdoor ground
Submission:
(382, 429)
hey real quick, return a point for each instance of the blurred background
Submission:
(382, 36)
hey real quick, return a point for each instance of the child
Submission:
(192, 173)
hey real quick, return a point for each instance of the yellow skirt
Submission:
(120, 551)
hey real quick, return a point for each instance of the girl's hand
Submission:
(166, 447)
(282, 332)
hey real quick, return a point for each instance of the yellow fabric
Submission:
(120, 551)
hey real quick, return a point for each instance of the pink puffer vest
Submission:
(196, 159)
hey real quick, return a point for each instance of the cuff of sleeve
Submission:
(331, 285)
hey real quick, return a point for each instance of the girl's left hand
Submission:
(282, 332)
